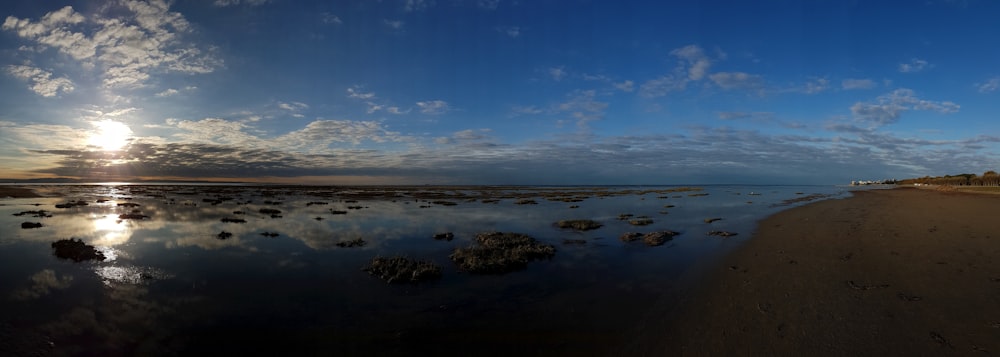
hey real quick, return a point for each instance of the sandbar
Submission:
(885, 272)
(17, 192)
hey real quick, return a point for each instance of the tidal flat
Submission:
(241, 269)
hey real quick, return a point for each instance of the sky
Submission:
(499, 91)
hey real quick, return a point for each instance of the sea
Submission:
(172, 284)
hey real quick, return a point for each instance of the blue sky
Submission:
(498, 91)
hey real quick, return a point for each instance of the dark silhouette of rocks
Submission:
(651, 239)
(224, 235)
(498, 253)
(721, 233)
(402, 270)
(30, 225)
(710, 220)
(352, 243)
(35, 214)
(269, 234)
(332, 211)
(641, 221)
(579, 224)
(444, 236)
(233, 220)
(75, 250)
(132, 216)
(270, 211)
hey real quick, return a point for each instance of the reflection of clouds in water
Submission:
(125, 317)
(42, 283)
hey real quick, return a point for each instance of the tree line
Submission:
(988, 178)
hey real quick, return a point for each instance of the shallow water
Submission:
(170, 286)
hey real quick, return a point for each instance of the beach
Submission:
(886, 272)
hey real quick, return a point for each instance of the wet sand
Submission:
(17, 192)
(887, 272)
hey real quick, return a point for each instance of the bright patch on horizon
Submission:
(110, 135)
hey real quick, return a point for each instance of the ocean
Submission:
(171, 284)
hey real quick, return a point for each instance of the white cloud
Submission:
(888, 108)
(583, 106)
(167, 93)
(126, 41)
(526, 110)
(737, 80)
(329, 18)
(851, 84)
(816, 85)
(393, 24)
(626, 86)
(696, 60)
(915, 65)
(337, 131)
(213, 131)
(557, 73)
(661, 86)
(356, 93)
(293, 106)
(464, 136)
(433, 107)
(510, 31)
(41, 81)
(990, 85)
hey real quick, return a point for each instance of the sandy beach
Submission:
(887, 272)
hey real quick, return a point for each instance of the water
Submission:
(170, 286)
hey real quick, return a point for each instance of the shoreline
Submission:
(17, 192)
(903, 271)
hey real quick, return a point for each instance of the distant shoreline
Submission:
(888, 272)
(17, 192)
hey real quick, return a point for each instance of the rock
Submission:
(710, 220)
(721, 233)
(132, 216)
(444, 236)
(352, 243)
(224, 235)
(658, 238)
(580, 224)
(75, 250)
(630, 236)
(498, 253)
(402, 270)
(233, 220)
(641, 222)
(30, 225)
(270, 211)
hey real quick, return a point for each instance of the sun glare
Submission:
(110, 135)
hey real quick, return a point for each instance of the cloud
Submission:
(224, 3)
(737, 80)
(43, 283)
(464, 136)
(915, 65)
(661, 86)
(888, 108)
(356, 93)
(693, 65)
(488, 4)
(126, 41)
(583, 107)
(557, 73)
(526, 110)
(329, 18)
(393, 24)
(168, 92)
(816, 85)
(325, 132)
(852, 84)
(213, 131)
(416, 5)
(293, 106)
(41, 81)
(510, 31)
(626, 86)
(696, 60)
(433, 107)
(989, 86)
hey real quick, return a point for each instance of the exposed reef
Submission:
(499, 252)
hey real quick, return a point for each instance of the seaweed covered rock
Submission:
(579, 224)
(721, 233)
(651, 239)
(75, 250)
(30, 225)
(658, 238)
(499, 252)
(402, 270)
(352, 243)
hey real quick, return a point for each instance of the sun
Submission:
(110, 135)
